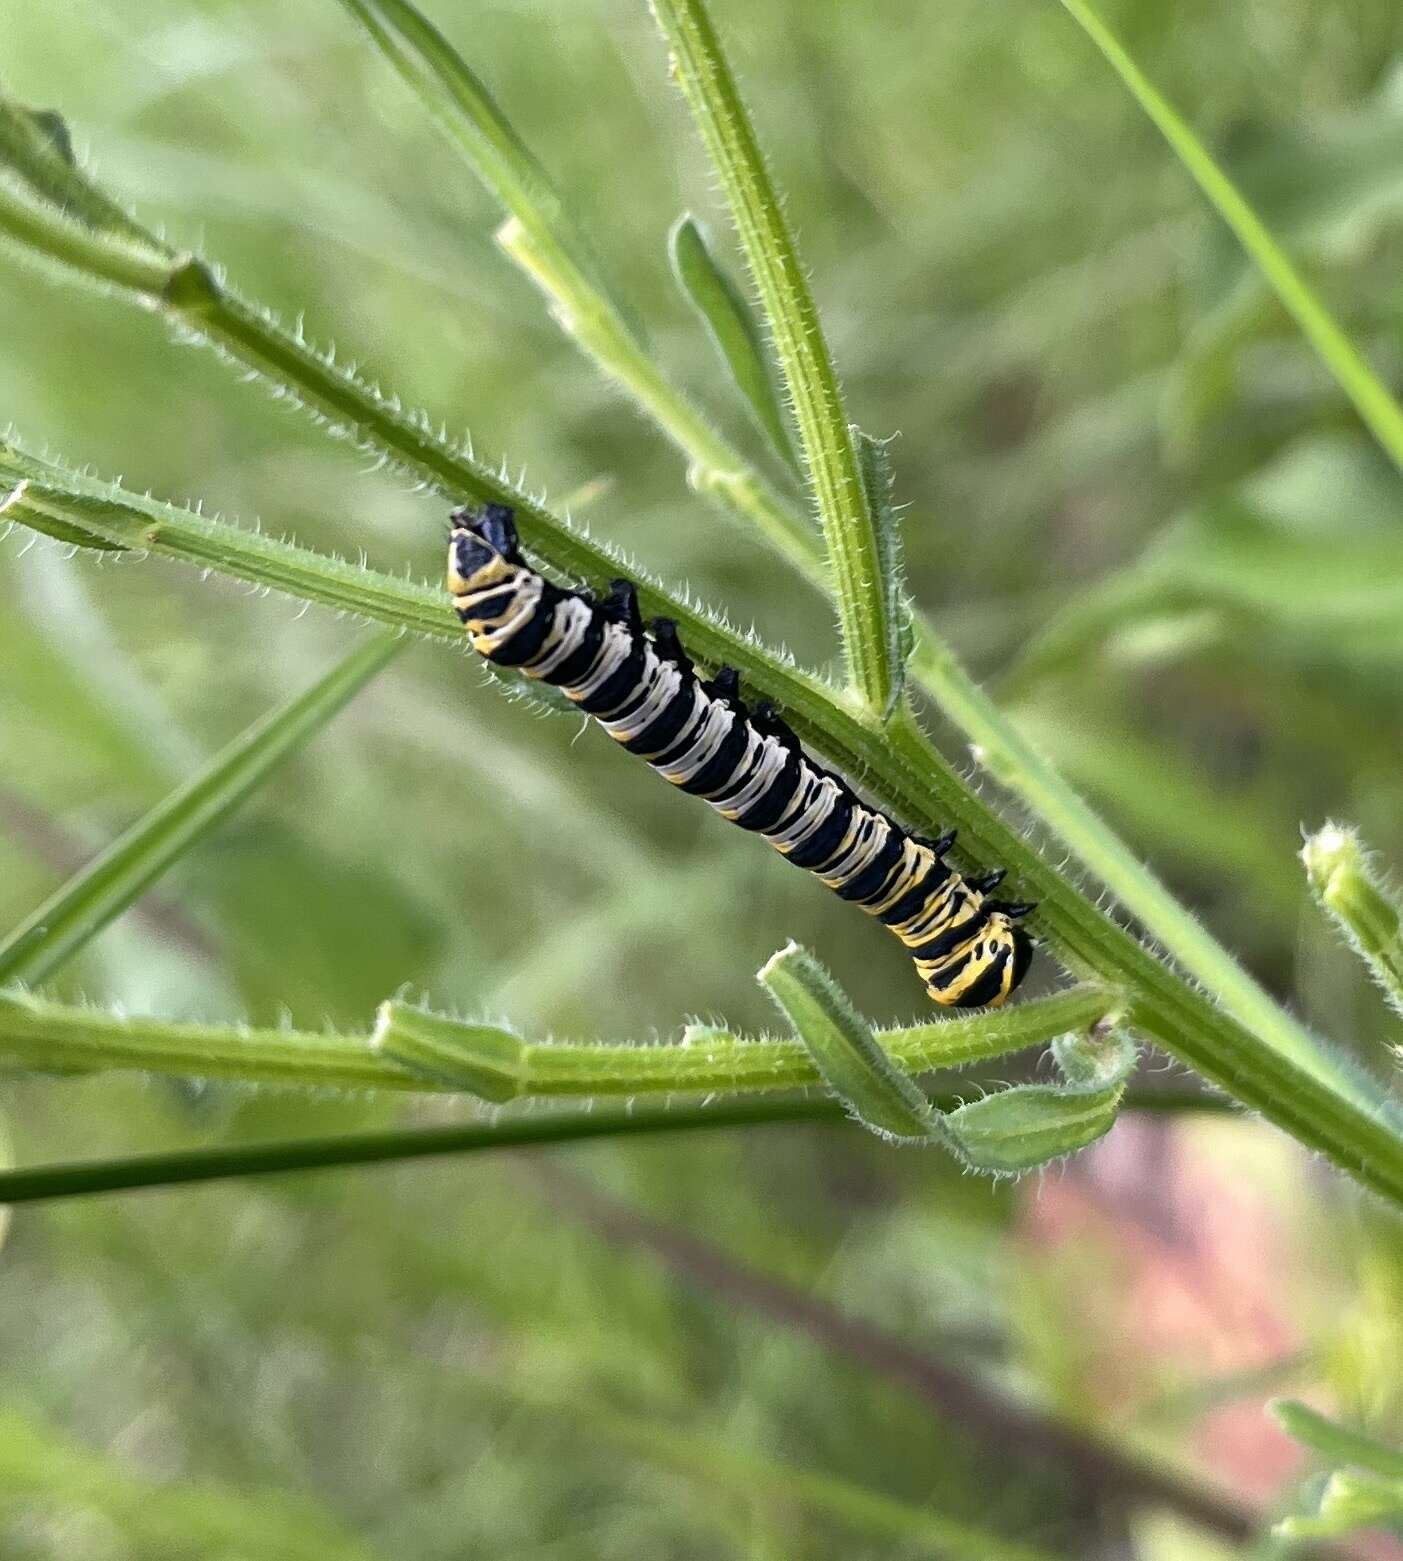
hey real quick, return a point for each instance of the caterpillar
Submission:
(640, 685)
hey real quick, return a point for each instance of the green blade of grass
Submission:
(825, 435)
(109, 883)
(42, 1183)
(1371, 398)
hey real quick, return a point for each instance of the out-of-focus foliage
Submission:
(1134, 496)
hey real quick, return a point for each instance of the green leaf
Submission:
(1028, 1125)
(879, 480)
(844, 1050)
(108, 884)
(1336, 1443)
(1370, 396)
(731, 324)
(483, 1059)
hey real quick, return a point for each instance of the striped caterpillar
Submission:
(639, 684)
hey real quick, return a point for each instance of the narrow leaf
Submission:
(701, 70)
(844, 1050)
(1370, 396)
(1337, 866)
(483, 1059)
(731, 324)
(35, 145)
(879, 480)
(108, 884)
(1336, 1443)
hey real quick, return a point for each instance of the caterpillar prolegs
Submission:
(640, 685)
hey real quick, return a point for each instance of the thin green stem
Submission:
(38, 1033)
(546, 244)
(106, 258)
(714, 467)
(182, 1167)
(826, 439)
(39, 1183)
(104, 887)
(1371, 398)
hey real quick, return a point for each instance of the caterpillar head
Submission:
(482, 548)
(988, 971)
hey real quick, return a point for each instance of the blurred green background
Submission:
(1137, 505)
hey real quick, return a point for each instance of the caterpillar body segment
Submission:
(639, 684)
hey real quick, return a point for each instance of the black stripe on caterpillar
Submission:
(639, 684)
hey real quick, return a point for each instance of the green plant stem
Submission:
(83, 1179)
(905, 774)
(39, 1183)
(104, 887)
(36, 1032)
(1371, 398)
(714, 467)
(1016, 763)
(825, 437)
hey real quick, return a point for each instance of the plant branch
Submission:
(493, 1063)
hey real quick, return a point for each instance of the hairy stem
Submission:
(41, 1034)
(825, 437)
